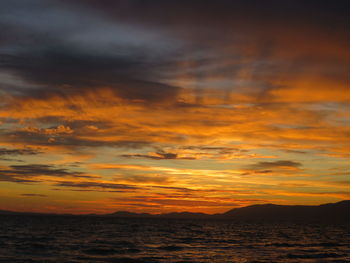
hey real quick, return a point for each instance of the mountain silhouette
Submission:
(334, 211)
(339, 211)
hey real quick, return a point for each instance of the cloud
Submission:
(10, 177)
(143, 56)
(32, 172)
(48, 137)
(61, 129)
(98, 185)
(276, 164)
(48, 69)
(295, 151)
(146, 178)
(247, 43)
(273, 167)
(42, 169)
(24, 151)
(220, 152)
(34, 195)
(198, 152)
(54, 58)
(158, 156)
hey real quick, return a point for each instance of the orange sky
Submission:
(203, 111)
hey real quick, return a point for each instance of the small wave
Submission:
(100, 251)
(131, 260)
(110, 251)
(314, 256)
(283, 245)
(171, 248)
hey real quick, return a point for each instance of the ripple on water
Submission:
(93, 239)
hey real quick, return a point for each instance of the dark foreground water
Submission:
(84, 239)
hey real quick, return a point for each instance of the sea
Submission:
(82, 239)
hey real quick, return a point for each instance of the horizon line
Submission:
(158, 214)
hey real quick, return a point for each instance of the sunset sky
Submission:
(173, 105)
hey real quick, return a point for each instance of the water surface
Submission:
(82, 239)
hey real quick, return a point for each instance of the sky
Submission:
(162, 106)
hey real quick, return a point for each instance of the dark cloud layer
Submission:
(70, 140)
(30, 172)
(158, 156)
(275, 165)
(5, 151)
(190, 11)
(59, 72)
(61, 57)
(134, 47)
(94, 185)
(33, 195)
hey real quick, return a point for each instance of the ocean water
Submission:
(96, 239)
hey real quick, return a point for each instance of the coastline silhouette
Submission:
(339, 211)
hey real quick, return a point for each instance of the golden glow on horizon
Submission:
(205, 158)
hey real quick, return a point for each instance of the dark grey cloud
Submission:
(158, 156)
(70, 140)
(8, 176)
(59, 50)
(134, 48)
(29, 173)
(279, 36)
(58, 71)
(42, 169)
(268, 166)
(33, 195)
(209, 12)
(100, 190)
(25, 151)
(93, 185)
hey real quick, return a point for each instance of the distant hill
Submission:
(266, 212)
(339, 211)
(336, 211)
